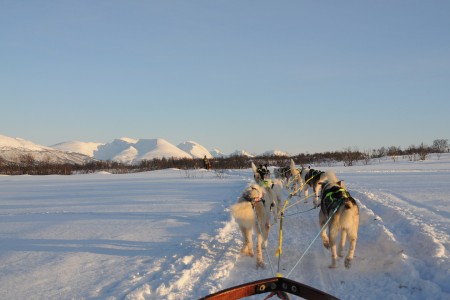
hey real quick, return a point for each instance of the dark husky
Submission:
(304, 178)
(343, 210)
(273, 188)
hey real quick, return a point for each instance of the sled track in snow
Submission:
(414, 228)
(395, 238)
(193, 273)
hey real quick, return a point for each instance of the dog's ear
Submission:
(341, 183)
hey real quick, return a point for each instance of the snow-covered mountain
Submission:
(217, 153)
(12, 149)
(242, 153)
(125, 150)
(86, 148)
(275, 153)
(128, 150)
(194, 149)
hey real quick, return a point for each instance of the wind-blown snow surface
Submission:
(168, 235)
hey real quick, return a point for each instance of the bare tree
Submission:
(440, 146)
(351, 156)
(366, 157)
(422, 151)
(393, 152)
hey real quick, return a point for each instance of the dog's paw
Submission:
(348, 263)
(247, 252)
(264, 244)
(260, 264)
(332, 265)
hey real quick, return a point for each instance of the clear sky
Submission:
(298, 76)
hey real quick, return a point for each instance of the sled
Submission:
(277, 286)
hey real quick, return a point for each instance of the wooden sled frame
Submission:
(270, 285)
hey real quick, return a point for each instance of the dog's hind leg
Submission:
(305, 192)
(259, 255)
(266, 235)
(316, 189)
(334, 232)
(323, 234)
(351, 251)
(342, 242)
(247, 247)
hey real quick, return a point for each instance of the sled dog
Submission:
(252, 213)
(304, 178)
(282, 173)
(345, 220)
(273, 188)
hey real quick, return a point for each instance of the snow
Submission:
(217, 153)
(242, 153)
(168, 235)
(86, 148)
(127, 150)
(276, 153)
(12, 149)
(10, 142)
(194, 149)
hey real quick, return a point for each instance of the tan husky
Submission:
(251, 204)
(343, 210)
(273, 188)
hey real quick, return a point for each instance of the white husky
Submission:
(252, 213)
(345, 220)
(273, 188)
(304, 178)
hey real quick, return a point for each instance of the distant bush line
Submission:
(26, 164)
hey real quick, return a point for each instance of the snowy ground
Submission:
(168, 235)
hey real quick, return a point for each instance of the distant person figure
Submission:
(206, 163)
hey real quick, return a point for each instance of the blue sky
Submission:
(298, 76)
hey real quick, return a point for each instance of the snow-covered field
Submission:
(168, 235)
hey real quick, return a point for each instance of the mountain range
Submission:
(16, 149)
(125, 150)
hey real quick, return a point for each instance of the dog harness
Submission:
(332, 198)
(312, 173)
(267, 183)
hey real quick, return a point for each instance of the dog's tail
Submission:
(294, 171)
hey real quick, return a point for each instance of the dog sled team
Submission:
(263, 200)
